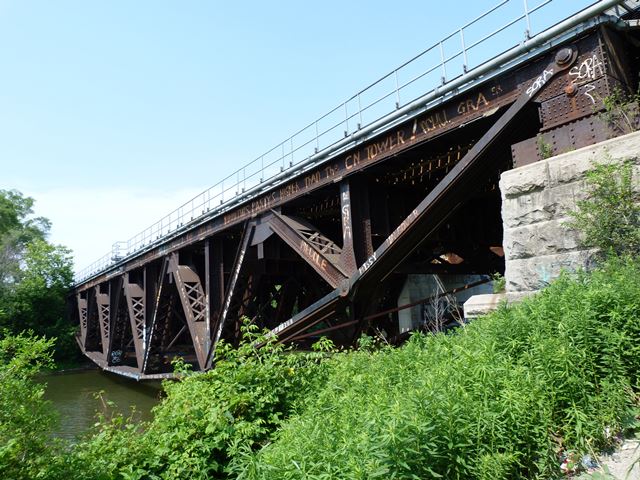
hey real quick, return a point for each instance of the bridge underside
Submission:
(337, 251)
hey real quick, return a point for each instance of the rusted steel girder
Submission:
(454, 112)
(194, 305)
(230, 290)
(320, 252)
(102, 300)
(135, 297)
(432, 211)
(445, 197)
(82, 315)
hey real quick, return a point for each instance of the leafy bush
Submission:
(500, 398)
(205, 419)
(25, 418)
(609, 217)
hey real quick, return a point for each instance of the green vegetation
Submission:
(609, 217)
(621, 111)
(499, 283)
(206, 419)
(545, 149)
(499, 398)
(25, 418)
(502, 397)
(34, 276)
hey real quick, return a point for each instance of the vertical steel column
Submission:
(82, 315)
(347, 256)
(361, 220)
(207, 288)
(115, 319)
(194, 306)
(135, 296)
(102, 301)
(154, 321)
(230, 290)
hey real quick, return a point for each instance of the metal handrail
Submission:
(316, 138)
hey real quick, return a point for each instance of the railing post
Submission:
(317, 140)
(359, 112)
(395, 74)
(444, 68)
(346, 120)
(291, 145)
(464, 52)
(527, 32)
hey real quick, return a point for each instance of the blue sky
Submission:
(112, 113)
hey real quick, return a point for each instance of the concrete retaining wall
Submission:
(536, 199)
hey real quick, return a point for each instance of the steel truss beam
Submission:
(102, 301)
(320, 252)
(135, 297)
(162, 309)
(247, 234)
(446, 196)
(194, 304)
(432, 211)
(82, 315)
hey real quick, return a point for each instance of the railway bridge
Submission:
(336, 230)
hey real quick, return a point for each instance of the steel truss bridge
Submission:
(321, 243)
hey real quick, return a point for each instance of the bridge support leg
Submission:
(82, 315)
(102, 301)
(117, 327)
(135, 296)
(162, 310)
(356, 225)
(231, 289)
(194, 305)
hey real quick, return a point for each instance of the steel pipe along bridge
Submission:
(362, 222)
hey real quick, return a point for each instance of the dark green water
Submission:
(73, 396)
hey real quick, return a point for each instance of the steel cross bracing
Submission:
(400, 95)
(327, 253)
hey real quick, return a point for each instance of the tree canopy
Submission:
(35, 275)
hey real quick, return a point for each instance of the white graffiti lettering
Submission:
(539, 82)
(589, 69)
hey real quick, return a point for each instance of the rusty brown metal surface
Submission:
(566, 138)
(322, 254)
(441, 201)
(102, 300)
(231, 289)
(135, 298)
(479, 103)
(194, 305)
(381, 200)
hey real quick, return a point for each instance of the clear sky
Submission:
(112, 113)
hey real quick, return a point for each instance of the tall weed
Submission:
(500, 398)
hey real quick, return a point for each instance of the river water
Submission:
(73, 396)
